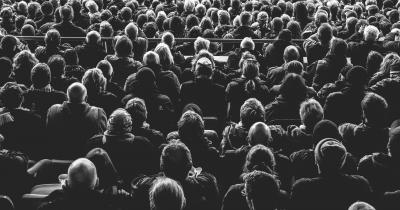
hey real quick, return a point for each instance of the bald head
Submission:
(76, 93)
(82, 174)
(259, 133)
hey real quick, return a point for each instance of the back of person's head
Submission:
(57, 65)
(320, 17)
(371, 33)
(291, 53)
(27, 30)
(357, 77)
(151, 58)
(165, 55)
(177, 26)
(11, 95)
(92, 6)
(394, 143)
(82, 175)
(201, 44)
(374, 109)
(76, 93)
(277, 24)
(325, 33)
(247, 44)
(166, 194)
(126, 14)
(141, 20)
(338, 47)
(374, 60)
(66, 13)
(106, 30)
(94, 81)
(20, 21)
(136, 107)
(131, 30)
(223, 17)
(119, 122)
(168, 38)
(46, 8)
(93, 37)
(285, 35)
(260, 158)
(106, 171)
(262, 190)
(52, 38)
(245, 19)
(330, 155)
(259, 133)
(293, 88)
(294, 28)
(209, 61)
(204, 68)
(123, 46)
(71, 57)
(107, 69)
(311, 113)
(359, 205)
(250, 70)
(176, 160)
(40, 75)
(190, 127)
(325, 129)
(9, 43)
(294, 66)
(251, 111)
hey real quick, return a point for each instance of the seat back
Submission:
(50, 172)
(6, 203)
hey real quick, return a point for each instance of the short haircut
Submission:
(251, 111)
(190, 126)
(52, 38)
(82, 174)
(245, 18)
(168, 38)
(374, 109)
(262, 189)
(11, 95)
(325, 33)
(40, 75)
(76, 93)
(93, 37)
(71, 57)
(260, 158)
(176, 160)
(247, 44)
(294, 67)
(105, 67)
(123, 46)
(259, 133)
(138, 111)
(311, 113)
(151, 58)
(291, 53)
(359, 205)
(166, 194)
(57, 65)
(293, 88)
(371, 33)
(66, 13)
(131, 30)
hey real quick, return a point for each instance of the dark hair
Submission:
(46, 8)
(293, 88)
(374, 109)
(338, 47)
(6, 68)
(294, 66)
(28, 30)
(190, 127)
(357, 76)
(262, 189)
(106, 171)
(260, 158)
(57, 65)
(11, 95)
(71, 57)
(374, 61)
(325, 33)
(394, 143)
(66, 13)
(325, 129)
(176, 160)
(177, 26)
(40, 75)
(141, 20)
(123, 46)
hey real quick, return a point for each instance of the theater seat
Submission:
(30, 201)
(6, 203)
(49, 173)
(45, 189)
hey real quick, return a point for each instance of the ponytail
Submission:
(250, 86)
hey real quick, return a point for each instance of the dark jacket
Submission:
(274, 53)
(90, 55)
(68, 29)
(123, 67)
(106, 100)
(328, 69)
(382, 172)
(210, 97)
(282, 108)
(314, 49)
(39, 101)
(44, 53)
(329, 192)
(388, 89)
(23, 131)
(358, 51)
(244, 31)
(45, 19)
(132, 155)
(70, 126)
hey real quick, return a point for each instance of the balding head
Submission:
(76, 93)
(259, 133)
(82, 175)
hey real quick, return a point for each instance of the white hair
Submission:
(201, 44)
(247, 43)
(371, 33)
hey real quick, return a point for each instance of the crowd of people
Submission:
(309, 120)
